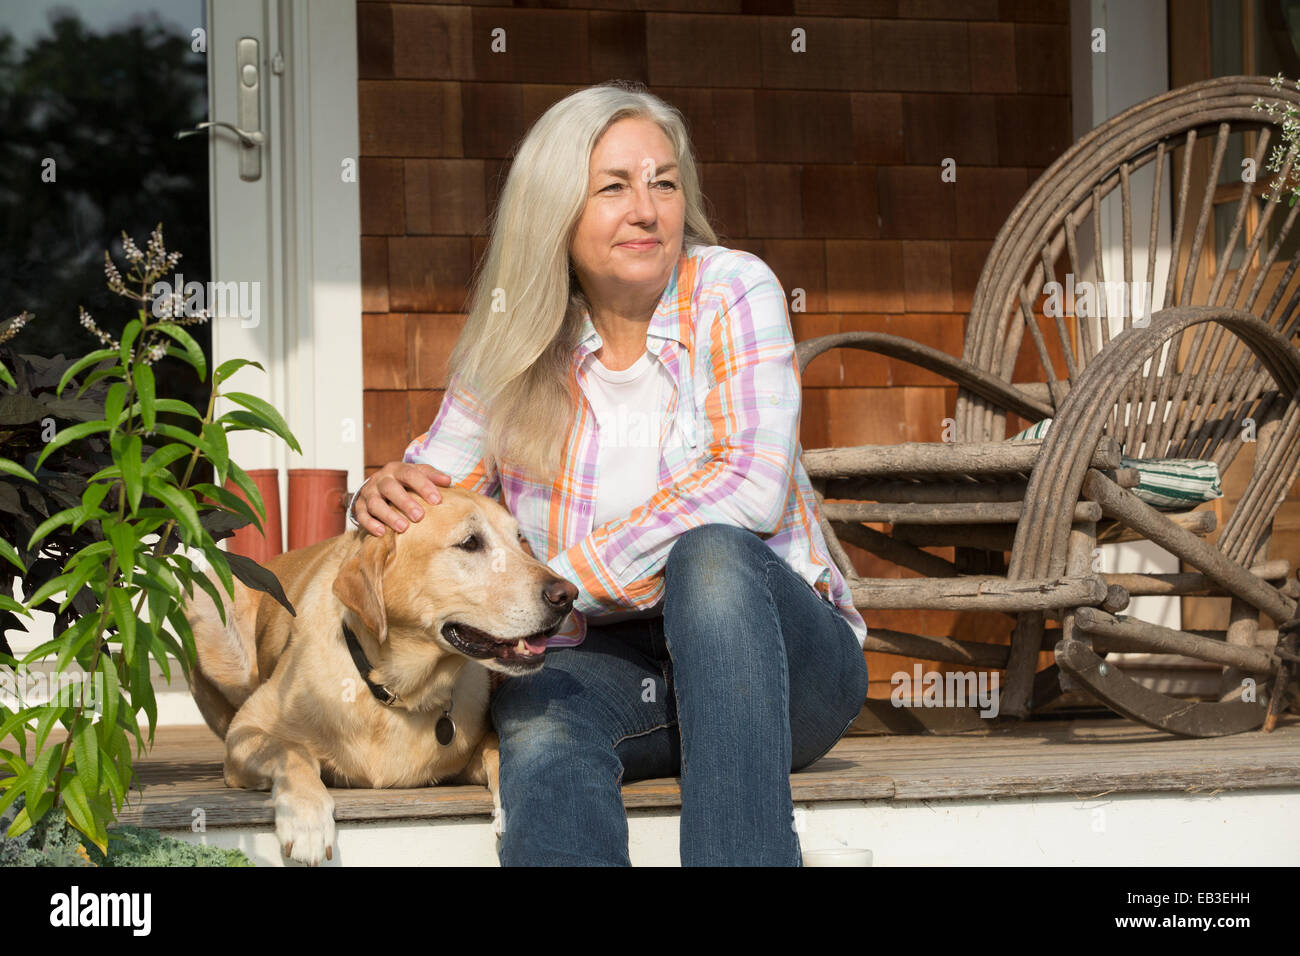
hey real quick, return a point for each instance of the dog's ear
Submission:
(360, 581)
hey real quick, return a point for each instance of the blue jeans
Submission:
(749, 675)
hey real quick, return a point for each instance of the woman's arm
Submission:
(456, 442)
(753, 415)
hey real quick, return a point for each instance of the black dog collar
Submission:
(444, 730)
(382, 694)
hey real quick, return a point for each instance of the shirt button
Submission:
(774, 400)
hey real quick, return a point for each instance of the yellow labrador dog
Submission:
(381, 680)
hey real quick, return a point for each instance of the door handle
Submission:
(249, 104)
(255, 138)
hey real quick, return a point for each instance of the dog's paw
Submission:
(498, 822)
(304, 825)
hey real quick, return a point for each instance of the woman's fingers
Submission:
(386, 501)
(439, 477)
(393, 489)
(424, 481)
(376, 515)
(364, 519)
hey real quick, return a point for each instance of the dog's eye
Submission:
(469, 544)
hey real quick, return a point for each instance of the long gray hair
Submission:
(526, 306)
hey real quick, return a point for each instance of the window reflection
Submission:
(90, 97)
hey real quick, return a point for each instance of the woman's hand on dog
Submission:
(385, 501)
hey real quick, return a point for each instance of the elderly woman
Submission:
(629, 388)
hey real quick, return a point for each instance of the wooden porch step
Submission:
(1082, 758)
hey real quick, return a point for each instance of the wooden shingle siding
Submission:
(542, 46)
(429, 340)
(374, 276)
(877, 128)
(385, 365)
(691, 50)
(927, 280)
(915, 203)
(804, 259)
(986, 200)
(1032, 130)
(992, 57)
(428, 273)
(409, 118)
(802, 126)
(445, 197)
(382, 201)
(616, 46)
(826, 164)
(920, 55)
(843, 49)
(430, 42)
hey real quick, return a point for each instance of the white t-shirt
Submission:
(629, 406)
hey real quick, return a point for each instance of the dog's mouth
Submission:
(472, 642)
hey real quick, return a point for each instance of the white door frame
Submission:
(296, 231)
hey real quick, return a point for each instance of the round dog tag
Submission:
(445, 730)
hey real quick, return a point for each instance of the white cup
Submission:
(837, 856)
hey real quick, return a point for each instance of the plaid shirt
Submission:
(729, 455)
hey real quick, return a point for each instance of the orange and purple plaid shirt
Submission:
(729, 449)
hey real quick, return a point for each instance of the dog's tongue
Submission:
(536, 643)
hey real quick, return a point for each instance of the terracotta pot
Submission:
(248, 541)
(318, 501)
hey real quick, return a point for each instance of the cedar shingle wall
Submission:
(826, 164)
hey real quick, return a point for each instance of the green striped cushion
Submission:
(1178, 483)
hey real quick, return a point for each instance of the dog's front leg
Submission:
(304, 810)
(484, 767)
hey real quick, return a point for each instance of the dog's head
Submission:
(463, 576)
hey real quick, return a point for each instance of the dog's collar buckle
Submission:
(380, 692)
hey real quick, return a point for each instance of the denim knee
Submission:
(715, 539)
(540, 739)
(710, 561)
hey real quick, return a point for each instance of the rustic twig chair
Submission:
(1047, 502)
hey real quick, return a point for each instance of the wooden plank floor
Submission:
(1084, 758)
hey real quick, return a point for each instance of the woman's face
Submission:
(629, 236)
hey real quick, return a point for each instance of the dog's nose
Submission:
(560, 593)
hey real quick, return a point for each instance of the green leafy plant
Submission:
(131, 487)
(1285, 115)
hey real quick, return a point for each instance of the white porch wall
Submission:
(1238, 828)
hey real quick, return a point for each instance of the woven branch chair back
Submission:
(1217, 383)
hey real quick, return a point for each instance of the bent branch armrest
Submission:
(982, 383)
(960, 459)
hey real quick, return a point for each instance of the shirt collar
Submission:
(665, 323)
